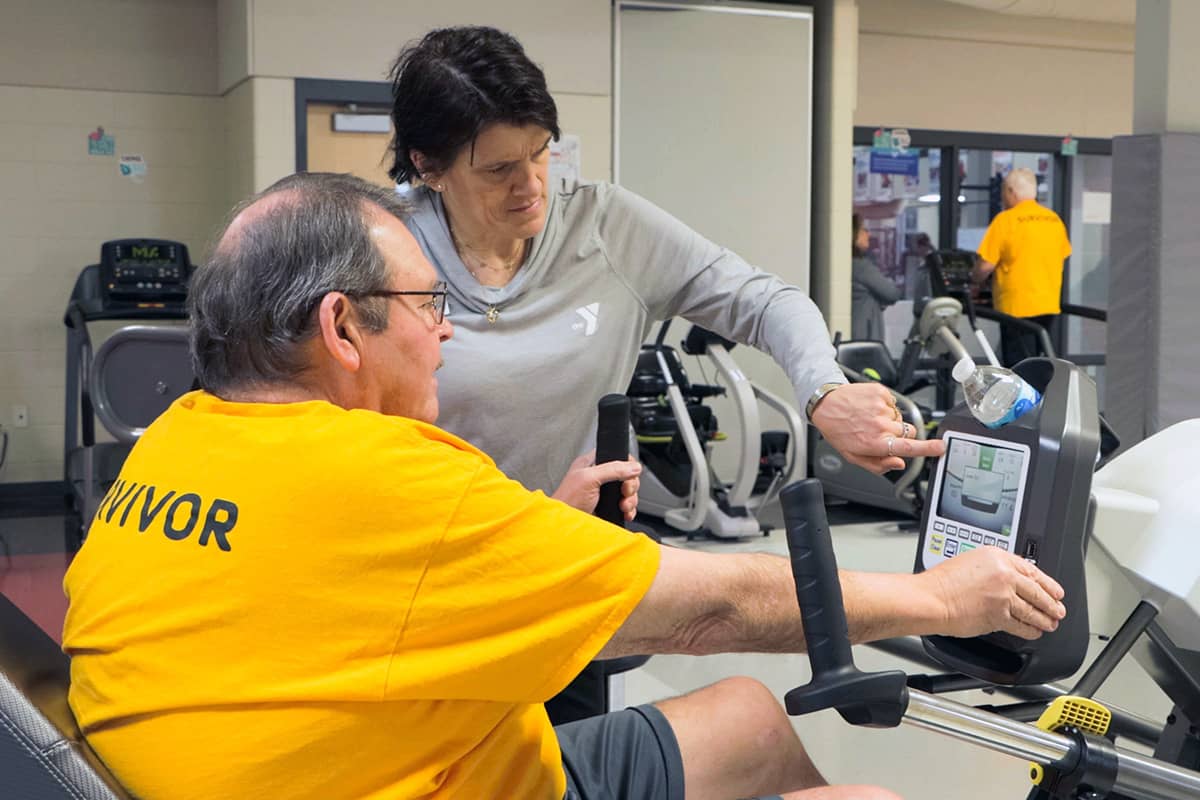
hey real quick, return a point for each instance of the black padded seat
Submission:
(43, 755)
(863, 354)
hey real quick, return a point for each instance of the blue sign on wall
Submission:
(886, 163)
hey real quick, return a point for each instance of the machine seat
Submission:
(43, 755)
(861, 355)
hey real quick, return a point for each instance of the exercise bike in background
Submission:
(676, 433)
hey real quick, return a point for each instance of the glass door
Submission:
(901, 214)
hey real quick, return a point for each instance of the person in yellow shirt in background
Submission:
(1023, 249)
(299, 587)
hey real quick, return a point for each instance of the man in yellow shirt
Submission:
(300, 587)
(1023, 249)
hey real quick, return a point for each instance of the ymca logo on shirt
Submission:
(591, 316)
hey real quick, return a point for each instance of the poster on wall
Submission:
(912, 185)
(1002, 162)
(133, 167)
(881, 187)
(1096, 208)
(895, 163)
(862, 176)
(101, 143)
(564, 161)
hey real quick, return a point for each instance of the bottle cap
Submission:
(963, 369)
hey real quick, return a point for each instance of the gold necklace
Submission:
(510, 267)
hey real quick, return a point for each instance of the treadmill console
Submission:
(978, 493)
(144, 271)
(950, 276)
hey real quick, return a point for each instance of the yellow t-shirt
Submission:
(295, 600)
(1028, 244)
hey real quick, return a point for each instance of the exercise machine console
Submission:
(144, 271)
(1024, 488)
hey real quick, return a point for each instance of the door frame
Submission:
(314, 90)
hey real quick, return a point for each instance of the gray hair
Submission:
(1023, 183)
(252, 306)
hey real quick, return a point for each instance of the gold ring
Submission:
(904, 427)
(891, 442)
(896, 411)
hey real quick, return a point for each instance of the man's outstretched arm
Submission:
(703, 603)
(982, 271)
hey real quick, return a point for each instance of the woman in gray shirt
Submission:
(872, 291)
(553, 292)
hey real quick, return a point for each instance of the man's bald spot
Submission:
(252, 213)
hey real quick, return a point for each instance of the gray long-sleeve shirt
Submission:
(871, 292)
(568, 328)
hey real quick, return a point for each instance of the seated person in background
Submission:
(1023, 250)
(300, 587)
(871, 290)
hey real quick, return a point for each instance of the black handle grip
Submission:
(612, 444)
(876, 699)
(818, 588)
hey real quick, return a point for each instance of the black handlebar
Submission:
(612, 444)
(814, 569)
(876, 699)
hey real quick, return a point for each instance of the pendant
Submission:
(493, 314)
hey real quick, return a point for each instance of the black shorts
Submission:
(630, 754)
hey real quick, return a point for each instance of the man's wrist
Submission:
(820, 394)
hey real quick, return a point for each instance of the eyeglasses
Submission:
(438, 304)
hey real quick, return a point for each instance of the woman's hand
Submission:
(862, 422)
(581, 486)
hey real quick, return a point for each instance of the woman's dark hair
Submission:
(857, 221)
(455, 82)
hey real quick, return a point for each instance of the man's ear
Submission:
(341, 332)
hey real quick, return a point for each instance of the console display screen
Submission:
(980, 485)
(145, 254)
(977, 494)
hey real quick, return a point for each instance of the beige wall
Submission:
(931, 64)
(120, 45)
(359, 39)
(64, 70)
(59, 204)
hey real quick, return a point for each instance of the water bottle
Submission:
(995, 395)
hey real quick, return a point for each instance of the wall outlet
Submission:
(20, 416)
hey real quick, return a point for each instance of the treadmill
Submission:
(136, 280)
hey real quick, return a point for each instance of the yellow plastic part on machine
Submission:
(1083, 713)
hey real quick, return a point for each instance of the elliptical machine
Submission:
(676, 432)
